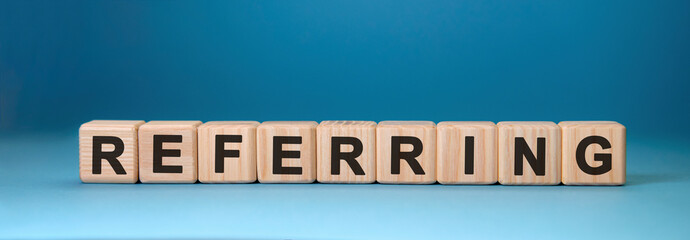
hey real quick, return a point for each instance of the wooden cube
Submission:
(593, 153)
(346, 152)
(406, 152)
(168, 152)
(466, 153)
(108, 151)
(529, 153)
(227, 152)
(286, 152)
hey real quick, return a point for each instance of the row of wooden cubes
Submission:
(394, 152)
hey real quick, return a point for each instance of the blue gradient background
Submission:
(63, 63)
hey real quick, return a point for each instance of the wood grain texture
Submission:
(307, 149)
(365, 131)
(127, 132)
(188, 151)
(574, 132)
(530, 131)
(426, 132)
(451, 153)
(240, 169)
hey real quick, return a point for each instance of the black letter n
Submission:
(538, 163)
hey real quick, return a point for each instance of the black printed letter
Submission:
(410, 157)
(221, 153)
(279, 154)
(469, 155)
(538, 163)
(159, 153)
(349, 157)
(605, 158)
(98, 154)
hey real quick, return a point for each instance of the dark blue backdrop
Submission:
(63, 63)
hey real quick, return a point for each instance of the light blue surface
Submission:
(41, 197)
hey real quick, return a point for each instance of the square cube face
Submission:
(346, 152)
(168, 152)
(286, 152)
(593, 153)
(406, 152)
(227, 152)
(529, 153)
(466, 153)
(108, 151)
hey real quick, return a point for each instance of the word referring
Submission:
(390, 152)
